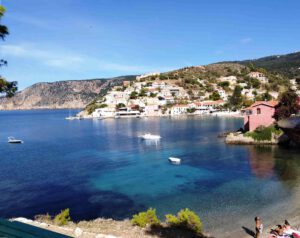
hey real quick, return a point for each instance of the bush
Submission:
(63, 217)
(143, 219)
(185, 219)
(263, 133)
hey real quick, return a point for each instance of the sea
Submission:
(101, 168)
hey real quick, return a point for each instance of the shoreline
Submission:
(109, 228)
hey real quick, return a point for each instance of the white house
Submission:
(151, 110)
(158, 84)
(104, 112)
(178, 109)
(222, 93)
(260, 76)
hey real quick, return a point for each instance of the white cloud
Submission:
(71, 61)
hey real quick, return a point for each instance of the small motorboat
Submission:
(174, 160)
(70, 118)
(13, 140)
(149, 136)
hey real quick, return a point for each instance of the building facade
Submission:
(259, 114)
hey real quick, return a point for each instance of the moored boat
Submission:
(149, 136)
(174, 160)
(13, 140)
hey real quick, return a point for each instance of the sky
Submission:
(83, 39)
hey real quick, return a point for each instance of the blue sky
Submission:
(81, 39)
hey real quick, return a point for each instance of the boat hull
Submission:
(173, 160)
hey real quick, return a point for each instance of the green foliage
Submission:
(288, 105)
(224, 84)
(191, 110)
(263, 133)
(264, 97)
(215, 96)
(103, 105)
(133, 95)
(63, 217)
(120, 105)
(235, 101)
(8, 88)
(143, 92)
(163, 77)
(185, 219)
(143, 219)
(153, 95)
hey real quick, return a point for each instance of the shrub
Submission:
(143, 219)
(63, 217)
(263, 133)
(185, 219)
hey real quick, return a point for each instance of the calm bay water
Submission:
(100, 168)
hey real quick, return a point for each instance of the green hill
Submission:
(287, 65)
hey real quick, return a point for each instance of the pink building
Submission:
(259, 114)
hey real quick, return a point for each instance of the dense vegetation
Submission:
(61, 219)
(143, 219)
(288, 105)
(185, 219)
(263, 133)
(287, 65)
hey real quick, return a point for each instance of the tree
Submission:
(133, 95)
(120, 105)
(215, 96)
(236, 99)
(288, 105)
(7, 88)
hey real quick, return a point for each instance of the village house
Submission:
(105, 112)
(158, 84)
(126, 83)
(259, 114)
(222, 93)
(178, 109)
(152, 110)
(260, 76)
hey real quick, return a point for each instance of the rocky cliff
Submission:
(61, 94)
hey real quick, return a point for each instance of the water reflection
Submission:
(273, 161)
(262, 162)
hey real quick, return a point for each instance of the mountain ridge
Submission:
(60, 94)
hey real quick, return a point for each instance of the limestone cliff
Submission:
(61, 94)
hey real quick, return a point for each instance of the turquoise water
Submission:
(100, 168)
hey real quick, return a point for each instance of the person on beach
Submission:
(258, 227)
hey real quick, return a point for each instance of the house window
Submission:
(258, 111)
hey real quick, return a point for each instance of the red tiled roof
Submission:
(267, 103)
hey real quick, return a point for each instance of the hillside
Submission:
(61, 94)
(287, 65)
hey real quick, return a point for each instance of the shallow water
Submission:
(100, 168)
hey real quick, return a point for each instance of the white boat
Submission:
(149, 136)
(70, 118)
(174, 160)
(14, 141)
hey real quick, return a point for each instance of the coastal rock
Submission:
(78, 232)
(240, 139)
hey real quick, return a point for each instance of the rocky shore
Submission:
(109, 228)
(239, 138)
